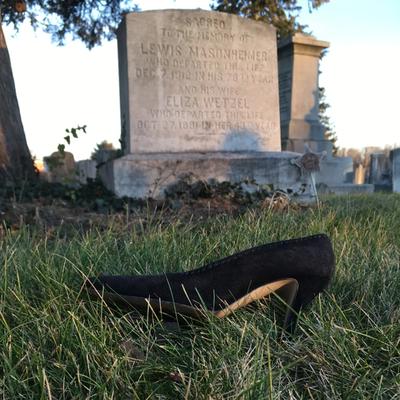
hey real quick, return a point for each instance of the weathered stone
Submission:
(148, 175)
(396, 170)
(299, 58)
(380, 173)
(61, 167)
(85, 169)
(194, 81)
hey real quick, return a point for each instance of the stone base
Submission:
(148, 175)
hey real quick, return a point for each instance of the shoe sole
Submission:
(285, 290)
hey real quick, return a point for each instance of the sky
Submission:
(63, 87)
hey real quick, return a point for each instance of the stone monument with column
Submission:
(199, 93)
(299, 57)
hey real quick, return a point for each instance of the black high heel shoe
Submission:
(296, 270)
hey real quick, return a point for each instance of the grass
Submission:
(56, 345)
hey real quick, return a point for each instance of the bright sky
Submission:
(62, 87)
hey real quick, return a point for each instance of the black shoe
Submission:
(296, 270)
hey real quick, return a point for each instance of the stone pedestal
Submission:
(148, 175)
(299, 58)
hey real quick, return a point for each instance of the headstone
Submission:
(60, 167)
(199, 97)
(396, 170)
(380, 174)
(86, 169)
(299, 57)
(197, 81)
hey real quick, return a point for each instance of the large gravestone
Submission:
(195, 81)
(199, 96)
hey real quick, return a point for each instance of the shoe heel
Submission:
(285, 289)
(286, 295)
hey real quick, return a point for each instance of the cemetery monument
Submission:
(199, 93)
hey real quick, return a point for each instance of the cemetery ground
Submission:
(57, 344)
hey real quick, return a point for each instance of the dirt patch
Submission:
(49, 206)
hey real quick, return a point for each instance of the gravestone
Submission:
(395, 155)
(199, 96)
(86, 169)
(198, 81)
(60, 167)
(380, 174)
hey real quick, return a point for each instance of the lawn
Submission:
(56, 344)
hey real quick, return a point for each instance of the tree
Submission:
(330, 133)
(280, 13)
(88, 20)
(15, 159)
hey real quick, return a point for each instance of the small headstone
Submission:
(60, 167)
(86, 169)
(380, 173)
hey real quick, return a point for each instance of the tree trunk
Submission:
(15, 159)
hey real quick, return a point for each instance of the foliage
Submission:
(56, 343)
(93, 196)
(88, 20)
(188, 189)
(105, 151)
(56, 160)
(280, 13)
(74, 132)
(325, 120)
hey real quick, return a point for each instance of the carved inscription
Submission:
(196, 79)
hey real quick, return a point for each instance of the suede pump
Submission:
(295, 270)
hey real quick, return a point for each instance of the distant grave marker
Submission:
(396, 170)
